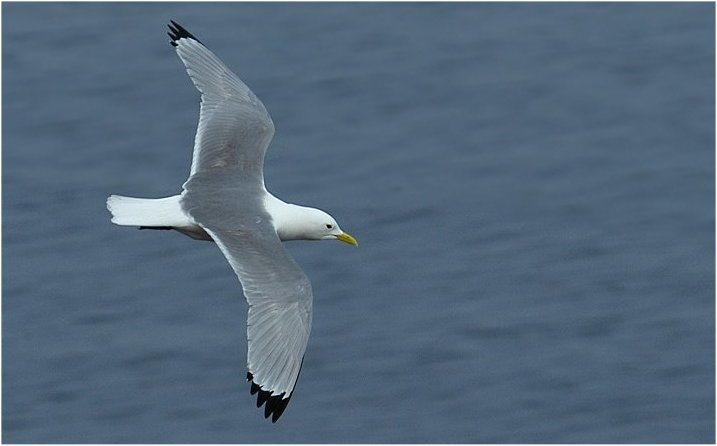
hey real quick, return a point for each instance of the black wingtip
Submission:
(177, 32)
(263, 396)
(275, 404)
(279, 408)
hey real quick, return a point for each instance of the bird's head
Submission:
(322, 226)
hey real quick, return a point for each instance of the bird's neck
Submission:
(286, 218)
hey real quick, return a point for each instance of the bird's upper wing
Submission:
(278, 291)
(234, 127)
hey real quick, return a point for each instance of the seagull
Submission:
(226, 201)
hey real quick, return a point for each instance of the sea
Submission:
(532, 186)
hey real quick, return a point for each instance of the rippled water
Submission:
(532, 186)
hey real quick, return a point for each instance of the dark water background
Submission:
(532, 186)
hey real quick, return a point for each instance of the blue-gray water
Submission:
(532, 186)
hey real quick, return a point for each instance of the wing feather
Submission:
(234, 127)
(233, 133)
(280, 304)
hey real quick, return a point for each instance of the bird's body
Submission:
(290, 221)
(225, 201)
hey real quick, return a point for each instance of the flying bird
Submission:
(226, 201)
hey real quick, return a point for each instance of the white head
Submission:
(304, 223)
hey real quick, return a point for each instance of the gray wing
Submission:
(234, 127)
(278, 291)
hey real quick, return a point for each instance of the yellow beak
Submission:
(348, 238)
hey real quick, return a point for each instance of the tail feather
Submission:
(150, 212)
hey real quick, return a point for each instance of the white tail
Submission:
(153, 212)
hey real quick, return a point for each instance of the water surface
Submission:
(532, 186)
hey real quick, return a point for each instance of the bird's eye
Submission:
(328, 226)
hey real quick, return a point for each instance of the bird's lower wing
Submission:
(280, 305)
